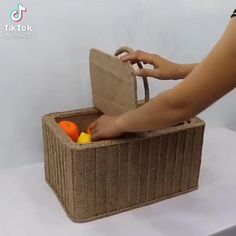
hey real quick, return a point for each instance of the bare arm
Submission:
(210, 80)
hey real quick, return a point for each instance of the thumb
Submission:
(91, 126)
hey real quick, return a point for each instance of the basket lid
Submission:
(114, 85)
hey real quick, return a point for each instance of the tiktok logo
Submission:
(17, 15)
(17, 30)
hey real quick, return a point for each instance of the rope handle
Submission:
(145, 82)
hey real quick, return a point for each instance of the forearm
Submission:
(209, 81)
(160, 112)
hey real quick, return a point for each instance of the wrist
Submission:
(120, 124)
(185, 69)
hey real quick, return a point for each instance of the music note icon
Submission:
(17, 15)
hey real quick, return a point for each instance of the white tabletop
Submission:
(28, 206)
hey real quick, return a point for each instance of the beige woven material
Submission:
(107, 177)
(114, 85)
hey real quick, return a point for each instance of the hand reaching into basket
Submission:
(162, 68)
(105, 127)
(208, 82)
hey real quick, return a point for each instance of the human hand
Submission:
(105, 127)
(162, 68)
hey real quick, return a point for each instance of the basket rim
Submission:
(50, 120)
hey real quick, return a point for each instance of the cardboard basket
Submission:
(107, 177)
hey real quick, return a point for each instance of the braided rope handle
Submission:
(145, 82)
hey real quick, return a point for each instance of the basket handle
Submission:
(145, 82)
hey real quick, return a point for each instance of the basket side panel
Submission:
(170, 164)
(187, 158)
(97, 180)
(181, 140)
(143, 170)
(67, 183)
(90, 182)
(112, 178)
(154, 160)
(101, 180)
(162, 162)
(49, 159)
(79, 184)
(58, 166)
(123, 176)
(133, 173)
(46, 150)
(196, 157)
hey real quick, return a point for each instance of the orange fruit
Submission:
(71, 129)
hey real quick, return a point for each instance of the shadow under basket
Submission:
(103, 178)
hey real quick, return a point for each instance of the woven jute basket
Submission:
(103, 178)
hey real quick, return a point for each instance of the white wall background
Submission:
(50, 73)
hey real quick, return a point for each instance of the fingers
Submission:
(146, 58)
(97, 135)
(92, 126)
(137, 56)
(147, 73)
(92, 129)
